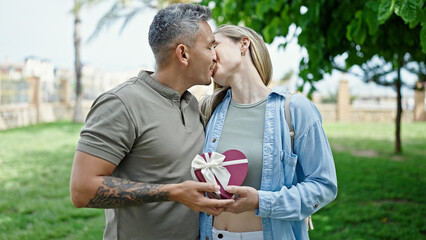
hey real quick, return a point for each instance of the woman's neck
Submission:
(248, 87)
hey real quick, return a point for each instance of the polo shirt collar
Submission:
(163, 90)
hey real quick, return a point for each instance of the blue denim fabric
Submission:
(294, 185)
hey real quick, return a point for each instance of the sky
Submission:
(44, 29)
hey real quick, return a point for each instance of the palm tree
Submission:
(127, 10)
(121, 9)
(78, 108)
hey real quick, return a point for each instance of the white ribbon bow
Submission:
(213, 167)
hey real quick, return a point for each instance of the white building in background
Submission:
(11, 71)
(96, 80)
(44, 70)
(12, 85)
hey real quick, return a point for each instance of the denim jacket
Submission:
(293, 185)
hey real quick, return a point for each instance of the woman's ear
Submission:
(245, 44)
(181, 52)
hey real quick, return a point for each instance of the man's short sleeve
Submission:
(109, 131)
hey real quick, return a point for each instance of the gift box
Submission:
(228, 168)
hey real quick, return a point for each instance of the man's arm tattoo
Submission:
(117, 192)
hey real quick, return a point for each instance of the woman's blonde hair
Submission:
(259, 55)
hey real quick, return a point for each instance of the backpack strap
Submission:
(288, 119)
(308, 220)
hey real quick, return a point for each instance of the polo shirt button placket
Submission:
(176, 103)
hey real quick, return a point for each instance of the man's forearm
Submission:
(117, 192)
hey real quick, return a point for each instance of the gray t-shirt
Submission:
(243, 130)
(152, 134)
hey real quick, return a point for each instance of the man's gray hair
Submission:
(175, 24)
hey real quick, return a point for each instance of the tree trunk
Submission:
(398, 84)
(78, 109)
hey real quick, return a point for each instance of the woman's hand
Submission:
(247, 199)
(191, 194)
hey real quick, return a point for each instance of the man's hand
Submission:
(93, 186)
(247, 199)
(191, 194)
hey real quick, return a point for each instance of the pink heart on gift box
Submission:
(238, 171)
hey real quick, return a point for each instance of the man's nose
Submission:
(214, 55)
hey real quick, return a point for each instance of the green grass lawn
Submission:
(35, 167)
(381, 195)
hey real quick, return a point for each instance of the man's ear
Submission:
(181, 52)
(245, 44)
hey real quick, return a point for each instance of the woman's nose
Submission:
(214, 54)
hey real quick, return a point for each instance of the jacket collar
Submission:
(279, 90)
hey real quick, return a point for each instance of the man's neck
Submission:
(171, 78)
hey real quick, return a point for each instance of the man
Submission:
(136, 148)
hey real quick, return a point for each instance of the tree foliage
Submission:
(331, 28)
(380, 36)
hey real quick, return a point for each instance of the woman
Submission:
(282, 188)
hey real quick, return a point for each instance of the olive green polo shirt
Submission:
(152, 134)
